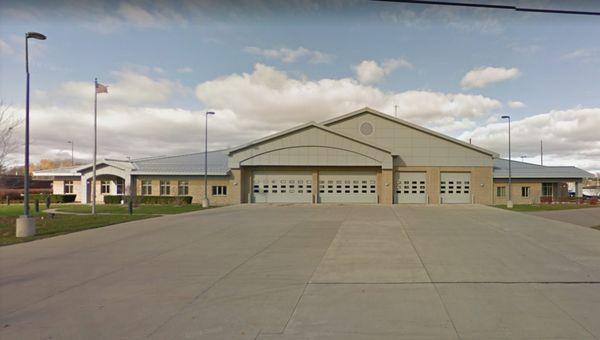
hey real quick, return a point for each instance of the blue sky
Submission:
(268, 66)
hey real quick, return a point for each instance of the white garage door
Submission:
(281, 187)
(455, 187)
(411, 187)
(347, 187)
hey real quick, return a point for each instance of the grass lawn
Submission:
(545, 207)
(143, 209)
(60, 224)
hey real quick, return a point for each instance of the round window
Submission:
(366, 129)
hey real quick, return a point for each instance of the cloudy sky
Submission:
(265, 66)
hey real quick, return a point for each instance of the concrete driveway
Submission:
(296, 272)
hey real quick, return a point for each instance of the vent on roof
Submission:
(366, 129)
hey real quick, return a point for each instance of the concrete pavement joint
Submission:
(566, 313)
(195, 298)
(125, 266)
(311, 276)
(402, 225)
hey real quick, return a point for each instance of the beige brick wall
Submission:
(535, 190)
(481, 181)
(58, 186)
(195, 187)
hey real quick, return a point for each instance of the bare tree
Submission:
(8, 124)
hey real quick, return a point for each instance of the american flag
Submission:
(101, 88)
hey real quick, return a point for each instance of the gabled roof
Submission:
(528, 170)
(410, 125)
(117, 163)
(301, 127)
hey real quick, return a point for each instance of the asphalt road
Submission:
(321, 272)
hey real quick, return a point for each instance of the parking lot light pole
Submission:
(26, 224)
(509, 203)
(205, 201)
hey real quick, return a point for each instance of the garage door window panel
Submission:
(455, 187)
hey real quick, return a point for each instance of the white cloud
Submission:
(370, 72)
(483, 76)
(515, 104)
(570, 137)
(130, 88)
(584, 54)
(288, 55)
(272, 99)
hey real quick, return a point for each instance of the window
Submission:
(120, 186)
(524, 191)
(165, 188)
(501, 191)
(68, 187)
(146, 188)
(183, 188)
(221, 190)
(105, 187)
(546, 189)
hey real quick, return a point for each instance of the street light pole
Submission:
(205, 201)
(509, 203)
(25, 224)
(72, 158)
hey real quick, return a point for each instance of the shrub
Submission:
(65, 198)
(173, 200)
(113, 199)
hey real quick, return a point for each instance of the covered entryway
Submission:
(455, 187)
(347, 187)
(411, 187)
(282, 187)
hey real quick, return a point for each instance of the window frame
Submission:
(545, 187)
(219, 190)
(501, 191)
(183, 185)
(68, 184)
(525, 191)
(105, 187)
(146, 187)
(165, 187)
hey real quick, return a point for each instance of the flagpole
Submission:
(95, 146)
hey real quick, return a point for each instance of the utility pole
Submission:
(541, 152)
(509, 203)
(205, 201)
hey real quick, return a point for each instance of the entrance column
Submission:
(83, 189)
(315, 186)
